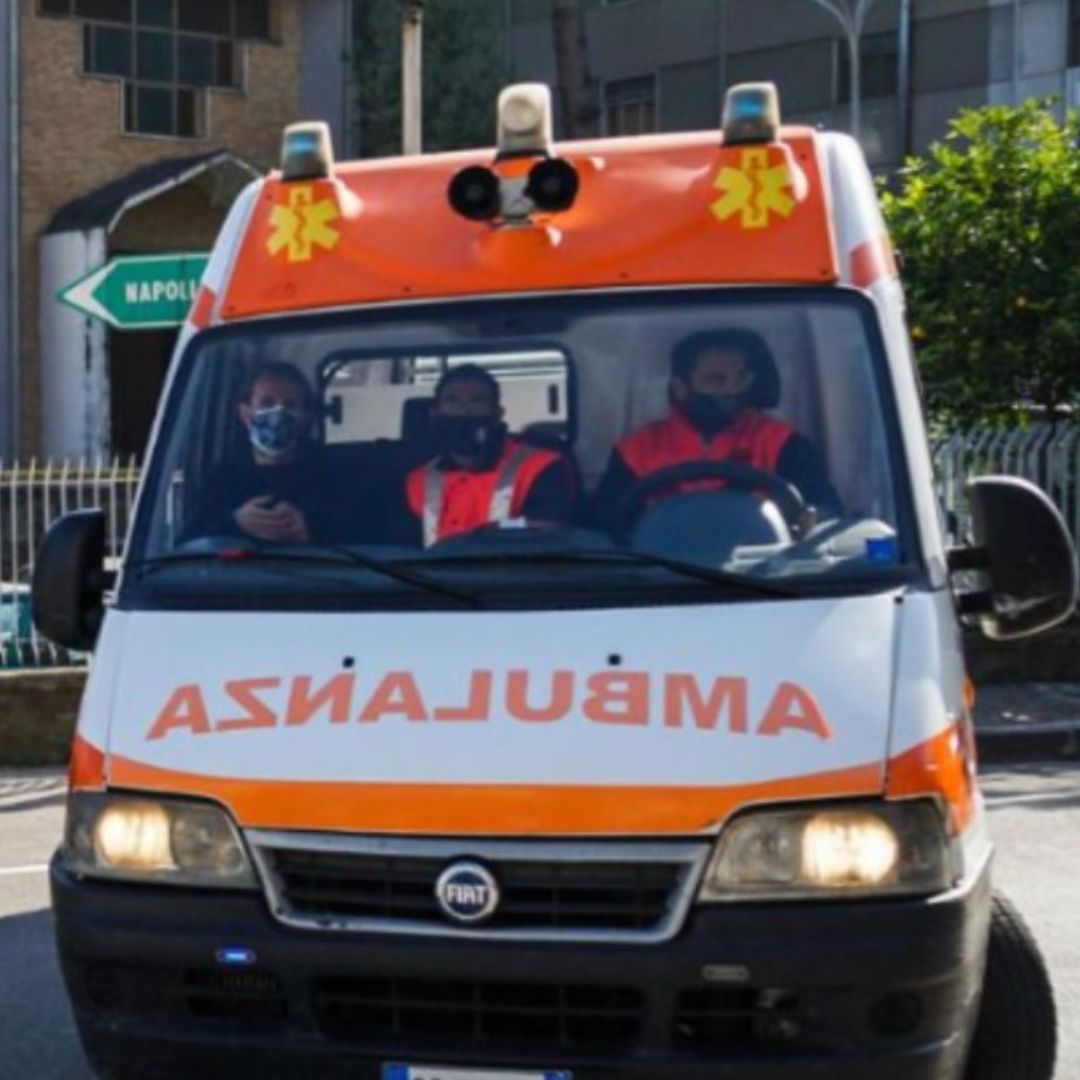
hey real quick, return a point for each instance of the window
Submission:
(368, 397)
(168, 51)
(577, 375)
(630, 106)
(1074, 33)
(879, 59)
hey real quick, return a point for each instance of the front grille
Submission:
(524, 1015)
(602, 890)
(533, 893)
(249, 997)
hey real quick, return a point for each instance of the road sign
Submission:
(139, 292)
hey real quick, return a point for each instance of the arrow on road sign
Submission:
(138, 292)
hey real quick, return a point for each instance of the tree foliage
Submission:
(988, 226)
(464, 45)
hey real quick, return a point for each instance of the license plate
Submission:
(442, 1072)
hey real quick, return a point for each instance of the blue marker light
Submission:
(306, 151)
(883, 550)
(235, 956)
(302, 142)
(749, 107)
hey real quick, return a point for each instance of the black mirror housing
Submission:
(68, 588)
(1023, 546)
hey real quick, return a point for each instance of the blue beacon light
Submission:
(235, 956)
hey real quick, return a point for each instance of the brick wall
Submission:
(73, 140)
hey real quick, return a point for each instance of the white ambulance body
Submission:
(689, 791)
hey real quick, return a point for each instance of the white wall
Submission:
(9, 233)
(74, 362)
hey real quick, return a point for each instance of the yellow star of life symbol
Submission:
(755, 191)
(303, 225)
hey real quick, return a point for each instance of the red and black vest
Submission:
(753, 438)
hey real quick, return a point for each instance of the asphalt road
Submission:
(1035, 818)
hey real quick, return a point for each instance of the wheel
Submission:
(735, 474)
(1016, 1032)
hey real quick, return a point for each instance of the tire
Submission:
(1016, 1031)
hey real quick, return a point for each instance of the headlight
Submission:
(164, 841)
(825, 852)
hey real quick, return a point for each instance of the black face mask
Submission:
(709, 413)
(468, 436)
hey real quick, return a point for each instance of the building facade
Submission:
(131, 126)
(664, 64)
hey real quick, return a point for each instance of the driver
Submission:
(720, 380)
(482, 475)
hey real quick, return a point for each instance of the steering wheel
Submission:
(736, 474)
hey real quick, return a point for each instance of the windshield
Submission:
(595, 449)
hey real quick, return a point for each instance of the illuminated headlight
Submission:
(163, 841)
(825, 852)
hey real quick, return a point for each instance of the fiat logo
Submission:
(467, 892)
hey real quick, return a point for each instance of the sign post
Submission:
(139, 292)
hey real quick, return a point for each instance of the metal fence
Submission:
(1046, 454)
(32, 496)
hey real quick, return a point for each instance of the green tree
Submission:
(988, 226)
(464, 44)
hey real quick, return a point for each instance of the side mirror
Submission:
(1023, 550)
(69, 580)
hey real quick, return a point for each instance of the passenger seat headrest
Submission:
(416, 419)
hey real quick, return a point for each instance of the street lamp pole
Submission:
(851, 14)
(412, 22)
(903, 79)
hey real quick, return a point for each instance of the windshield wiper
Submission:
(312, 554)
(755, 586)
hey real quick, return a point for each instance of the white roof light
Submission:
(524, 120)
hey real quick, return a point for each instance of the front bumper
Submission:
(885, 990)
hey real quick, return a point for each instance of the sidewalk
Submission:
(1027, 720)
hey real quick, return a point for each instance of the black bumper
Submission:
(884, 990)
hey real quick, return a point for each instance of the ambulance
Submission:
(684, 787)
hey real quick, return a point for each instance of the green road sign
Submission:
(139, 292)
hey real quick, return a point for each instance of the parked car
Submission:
(15, 622)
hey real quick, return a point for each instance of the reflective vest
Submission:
(450, 500)
(754, 439)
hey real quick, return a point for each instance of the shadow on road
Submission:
(1014, 786)
(1050, 769)
(39, 803)
(37, 1032)
(20, 793)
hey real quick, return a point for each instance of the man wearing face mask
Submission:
(482, 475)
(718, 382)
(271, 491)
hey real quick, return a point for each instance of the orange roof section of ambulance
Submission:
(661, 210)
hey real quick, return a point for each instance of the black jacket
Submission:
(304, 483)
